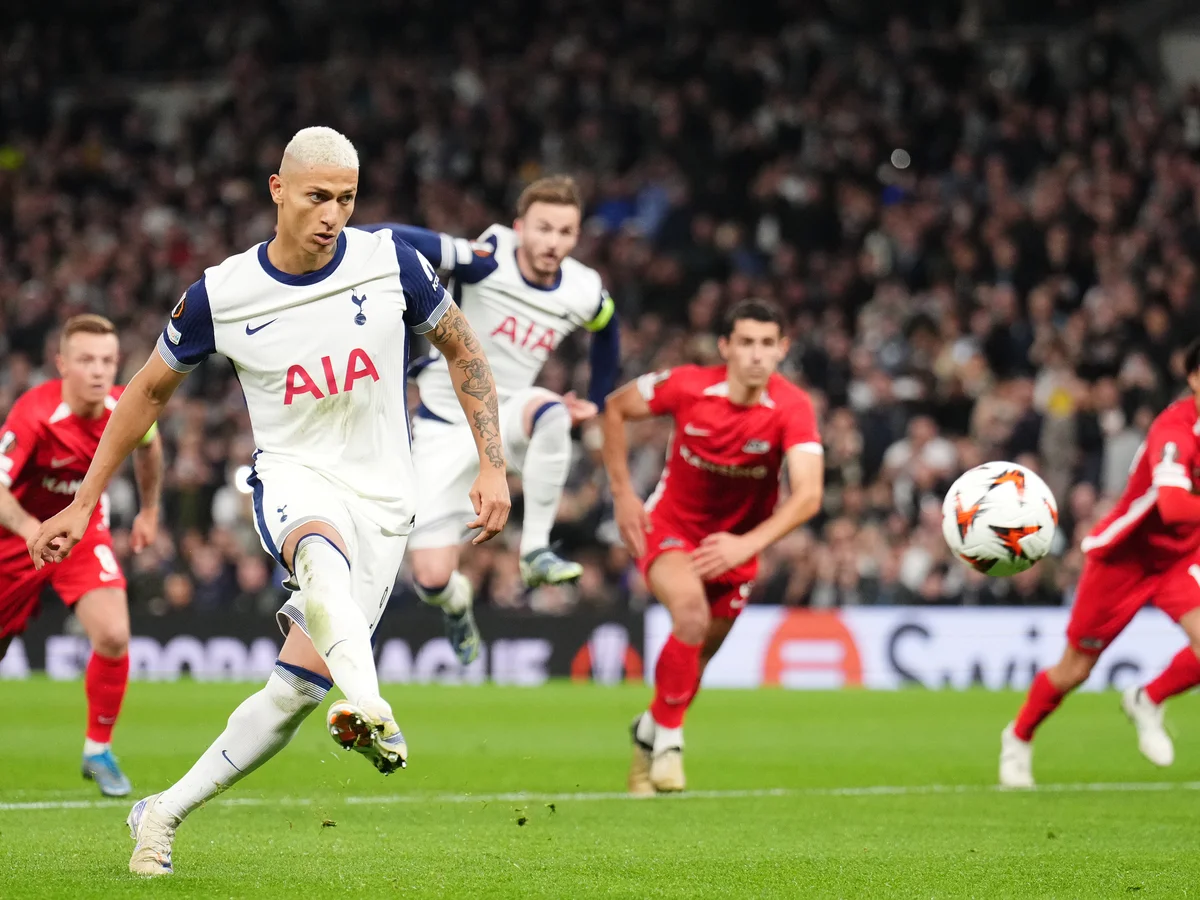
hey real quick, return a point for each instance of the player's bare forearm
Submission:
(138, 409)
(148, 473)
(806, 474)
(623, 405)
(473, 383)
(13, 516)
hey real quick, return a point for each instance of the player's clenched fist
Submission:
(489, 496)
(630, 515)
(58, 534)
(145, 529)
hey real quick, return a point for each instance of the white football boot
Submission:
(1147, 717)
(154, 832)
(1016, 760)
(666, 763)
(374, 735)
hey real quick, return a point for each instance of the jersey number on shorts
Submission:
(109, 569)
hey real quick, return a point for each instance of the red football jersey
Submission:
(1134, 530)
(723, 465)
(45, 450)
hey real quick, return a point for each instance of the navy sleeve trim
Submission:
(188, 338)
(436, 316)
(605, 359)
(164, 350)
(476, 260)
(426, 299)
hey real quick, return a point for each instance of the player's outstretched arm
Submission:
(718, 553)
(604, 360)
(476, 389)
(148, 473)
(624, 405)
(469, 262)
(136, 411)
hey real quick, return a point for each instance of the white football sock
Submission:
(454, 596)
(668, 739)
(646, 729)
(336, 625)
(257, 730)
(92, 748)
(543, 474)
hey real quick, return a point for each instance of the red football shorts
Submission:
(727, 594)
(1111, 593)
(91, 565)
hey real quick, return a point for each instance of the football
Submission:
(999, 518)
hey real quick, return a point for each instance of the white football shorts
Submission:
(288, 495)
(447, 464)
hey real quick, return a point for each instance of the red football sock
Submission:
(676, 678)
(104, 682)
(1043, 699)
(1182, 674)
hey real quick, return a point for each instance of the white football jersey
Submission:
(322, 357)
(519, 324)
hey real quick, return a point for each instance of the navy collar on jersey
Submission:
(308, 277)
(537, 287)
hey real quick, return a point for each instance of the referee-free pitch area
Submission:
(517, 792)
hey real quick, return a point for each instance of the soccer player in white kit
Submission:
(523, 294)
(316, 322)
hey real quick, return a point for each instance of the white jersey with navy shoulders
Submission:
(321, 357)
(518, 323)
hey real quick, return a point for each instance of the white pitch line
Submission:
(882, 790)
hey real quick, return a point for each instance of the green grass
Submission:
(414, 834)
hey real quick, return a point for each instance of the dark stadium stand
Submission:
(1016, 283)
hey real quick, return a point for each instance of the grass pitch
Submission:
(517, 793)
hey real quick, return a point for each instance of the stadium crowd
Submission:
(976, 262)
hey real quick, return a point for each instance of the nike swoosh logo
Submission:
(330, 650)
(59, 463)
(250, 330)
(694, 431)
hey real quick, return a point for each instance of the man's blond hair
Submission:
(318, 145)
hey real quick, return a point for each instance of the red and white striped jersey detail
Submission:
(1116, 529)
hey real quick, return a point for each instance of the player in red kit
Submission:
(698, 537)
(46, 445)
(1146, 550)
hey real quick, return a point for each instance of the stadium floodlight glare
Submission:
(241, 480)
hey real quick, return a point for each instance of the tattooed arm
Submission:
(472, 377)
